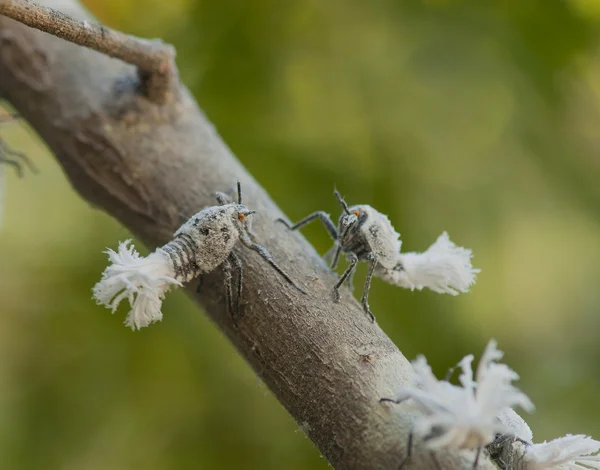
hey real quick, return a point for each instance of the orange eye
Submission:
(242, 217)
(356, 213)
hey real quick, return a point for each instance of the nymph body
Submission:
(364, 234)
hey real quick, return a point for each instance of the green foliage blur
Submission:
(479, 118)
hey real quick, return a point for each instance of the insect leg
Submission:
(6, 151)
(477, 458)
(410, 435)
(365, 298)
(262, 251)
(503, 464)
(350, 280)
(229, 289)
(390, 400)
(323, 216)
(239, 269)
(333, 255)
(347, 272)
(250, 230)
(336, 256)
(408, 451)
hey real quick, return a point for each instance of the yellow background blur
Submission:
(447, 115)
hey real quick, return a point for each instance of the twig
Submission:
(154, 59)
(145, 168)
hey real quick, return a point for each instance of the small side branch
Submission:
(154, 59)
(11, 157)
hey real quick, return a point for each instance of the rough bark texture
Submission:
(145, 164)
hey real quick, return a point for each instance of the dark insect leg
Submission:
(476, 458)
(333, 255)
(239, 191)
(520, 458)
(365, 298)
(239, 269)
(390, 400)
(350, 280)
(343, 233)
(497, 448)
(336, 256)
(253, 236)
(410, 436)
(502, 463)
(262, 251)
(408, 452)
(229, 289)
(328, 256)
(323, 216)
(6, 152)
(347, 272)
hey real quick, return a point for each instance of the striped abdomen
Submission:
(182, 252)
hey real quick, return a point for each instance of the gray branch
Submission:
(145, 163)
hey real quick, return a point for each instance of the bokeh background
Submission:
(479, 118)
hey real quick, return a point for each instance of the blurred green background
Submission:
(479, 118)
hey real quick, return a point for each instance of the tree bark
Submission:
(146, 162)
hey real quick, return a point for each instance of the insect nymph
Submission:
(199, 246)
(364, 234)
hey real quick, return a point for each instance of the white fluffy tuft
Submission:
(144, 281)
(465, 416)
(515, 425)
(568, 452)
(444, 268)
